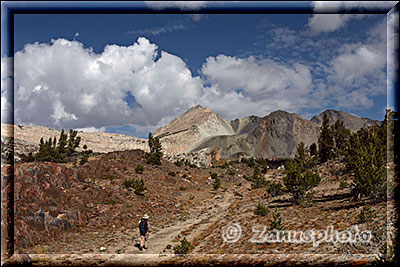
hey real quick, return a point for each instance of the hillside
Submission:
(201, 136)
(351, 121)
(86, 211)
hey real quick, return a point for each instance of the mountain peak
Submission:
(351, 121)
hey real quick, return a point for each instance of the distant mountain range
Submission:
(201, 135)
(273, 136)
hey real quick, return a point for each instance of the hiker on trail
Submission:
(144, 227)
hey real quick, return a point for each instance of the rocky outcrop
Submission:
(351, 121)
(274, 136)
(192, 128)
(27, 138)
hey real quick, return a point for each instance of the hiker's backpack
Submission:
(143, 226)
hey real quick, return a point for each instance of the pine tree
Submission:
(313, 149)
(155, 155)
(325, 141)
(298, 184)
(51, 151)
(341, 137)
(258, 179)
(302, 156)
(366, 160)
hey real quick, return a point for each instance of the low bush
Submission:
(217, 183)
(275, 189)
(179, 162)
(171, 173)
(261, 210)
(184, 247)
(139, 169)
(276, 222)
(365, 214)
(343, 184)
(136, 184)
(298, 183)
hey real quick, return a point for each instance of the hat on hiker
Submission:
(145, 216)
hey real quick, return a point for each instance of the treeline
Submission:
(364, 153)
(61, 152)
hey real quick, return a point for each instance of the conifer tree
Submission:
(258, 179)
(325, 141)
(366, 160)
(313, 149)
(155, 155)
(298, 183)
(341, 137)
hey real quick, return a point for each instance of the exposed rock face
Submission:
(193, 127)
(199, 133)
(274, 136)
(195, 134)
(27, 139)
(353, 122)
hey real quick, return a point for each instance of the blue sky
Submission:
(132, 73)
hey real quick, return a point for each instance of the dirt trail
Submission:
(201, 219)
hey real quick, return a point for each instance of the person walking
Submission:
(144, 226)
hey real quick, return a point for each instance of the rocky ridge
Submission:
(351, 121)
(200, 136)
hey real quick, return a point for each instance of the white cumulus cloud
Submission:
(249, 86)
(63, 84)
(322, 23)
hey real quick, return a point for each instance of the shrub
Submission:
(179, 163)
(251, 162)
(128, 183)
(191, 197)
(108, 177)
(184, 247)
(27, 158)
(171, 173)
(298, 184)
(139, 169)
(258, 179)
(184, 175)
(217, 183)
(275, 189)
(230, 172)
(85, 158)
(110, 202)
(307, 199)
(182, 188)
(136, 184)
(343, 184)
(261, 210)
(276, 223)
(192, 165)
(365, 214)
(214, 175)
